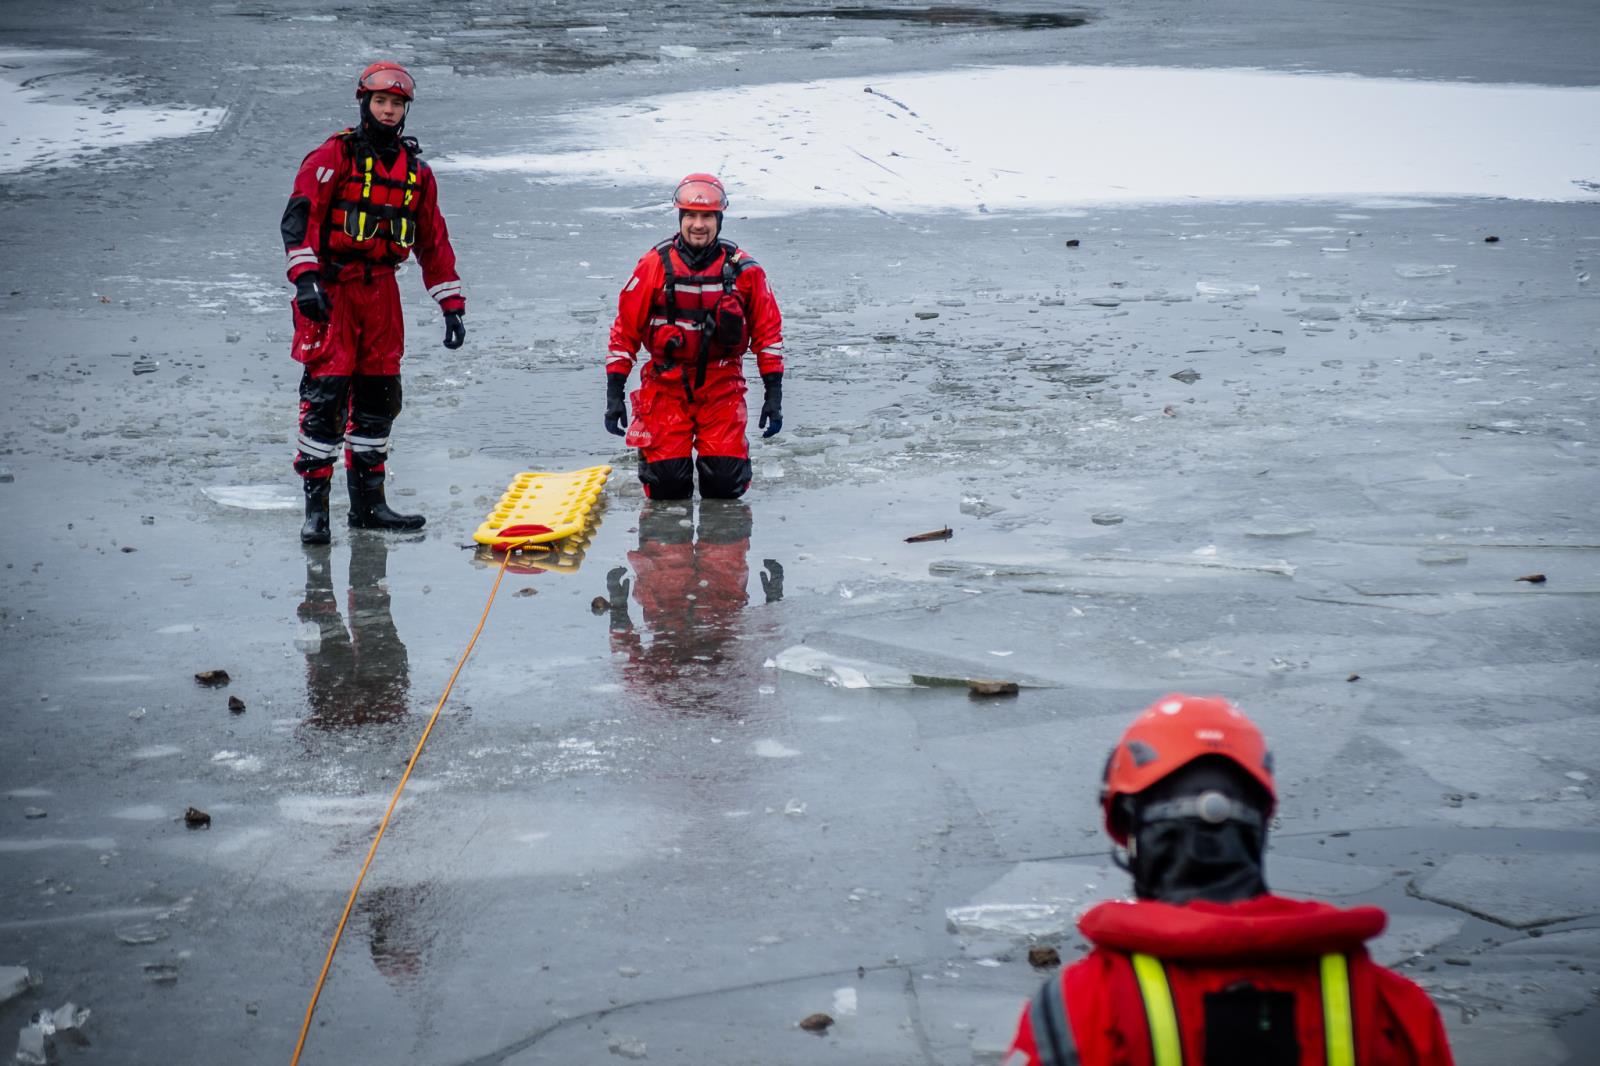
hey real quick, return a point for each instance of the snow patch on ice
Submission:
(37, 131)
(914, 142)
(768, 748)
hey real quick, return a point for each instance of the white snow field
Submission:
(38, 131)
(1016, 138)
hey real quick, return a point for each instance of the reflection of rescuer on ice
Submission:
(691, 591)
(1207, 966)
(361, 202)
(697, 303)
(360, 676)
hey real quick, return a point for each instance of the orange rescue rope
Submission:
(327, 964)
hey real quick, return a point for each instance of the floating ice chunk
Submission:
(1008, 919)
(138, 935)
(1404, 311)
(181, 627)
(679, 51)
(1267, 527)
(841, 672)
(308, 638)
(844, 1002)
(768, 748)
(14, 980)
(1423, 270)
(587, 31)
(861, 42)
(794, 808)
(1226, 288)
(254, 497)
(627, 1047)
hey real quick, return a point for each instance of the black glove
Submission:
(616, 410)
(311, 298)
(617, 588)
(455, 334)
(772, 405)
(772, 585)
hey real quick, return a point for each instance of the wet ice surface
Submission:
(648, 839)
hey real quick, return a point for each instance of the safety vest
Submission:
(1056, 1047)
(698, 316)
(373, 216)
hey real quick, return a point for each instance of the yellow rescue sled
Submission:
(539, 507)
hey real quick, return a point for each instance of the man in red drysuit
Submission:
(361, 202)
(1206, 966)
(696, 303)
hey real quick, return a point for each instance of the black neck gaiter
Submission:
(697, 259)
(1187, 859)
(384, 140)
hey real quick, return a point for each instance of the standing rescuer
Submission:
(1206, 966)
(361, 202)
(696, 303)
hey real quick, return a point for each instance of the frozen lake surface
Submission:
(1069, 136)
(1291, 442)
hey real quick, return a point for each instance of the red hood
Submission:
(1263, 927)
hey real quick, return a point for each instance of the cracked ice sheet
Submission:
(1525, 890)
(1118, 135)
(36, 131)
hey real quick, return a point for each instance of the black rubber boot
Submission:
(369, 510)
(316, 529)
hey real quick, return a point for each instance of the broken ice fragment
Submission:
(33, 812)
(14, 980)
(161, 973)
(253, 497)
(1106, 518)
(1187, 376)
(627, 1047)
(138, 935)
(1226, 288)
(1007, 919)
(308, 638)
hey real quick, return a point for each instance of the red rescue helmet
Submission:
(1173, 732)
(700, 192)
(386, 77)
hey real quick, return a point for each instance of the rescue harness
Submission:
(721, 325)
(1056, 1047)
(360, 219)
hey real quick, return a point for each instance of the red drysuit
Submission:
(1248, 982)
(696, 324)
(352, 217)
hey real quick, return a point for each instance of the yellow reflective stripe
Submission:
(1165, 1047)
(1338, 1025)
(366, 182)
